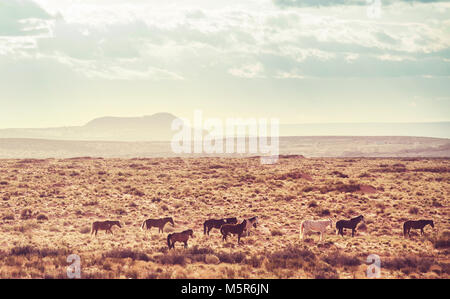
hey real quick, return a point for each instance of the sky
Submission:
(66, 62)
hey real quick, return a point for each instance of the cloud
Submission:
(325, 3)
(22, 17)
(248, 71)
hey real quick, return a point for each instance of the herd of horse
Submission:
(230, 226)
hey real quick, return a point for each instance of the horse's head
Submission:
(361, 218)
(190, 232)
(171, 221)
(117, 223)
(431, 223)
(244, 223)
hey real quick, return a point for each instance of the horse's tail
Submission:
(168, 240)
(301, 229)
(143, 224)
(404, 229)
(204, 228)
(221, 230)
(92, 229)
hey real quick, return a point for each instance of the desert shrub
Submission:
(442, 241)
(44, 252)
(326, 272)
(409, 263)
(312, 204)
(254, 261)
(324, 212)
(8, 217)
(26, 214)
(339, 259)
(339, 174)
(231, 258)
(276, 232)
(90, 203)
(308, 189)
(432, 169)
(173, 259)
(85, 230)
(291, 258)
(127, 253)
(42, 217)
(413, 210)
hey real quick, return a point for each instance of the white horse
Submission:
(315, 225)
(251, 222)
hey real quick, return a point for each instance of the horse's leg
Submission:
(353, 232)
(239, 239)
(421, 231)
(185, 244)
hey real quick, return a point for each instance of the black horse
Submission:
(208, 225)
(416, 224)
(352, 223)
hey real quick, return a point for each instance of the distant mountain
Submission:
(424, 129)
(156, 127)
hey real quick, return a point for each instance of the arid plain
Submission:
(48, 206)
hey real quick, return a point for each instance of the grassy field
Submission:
(48, 206)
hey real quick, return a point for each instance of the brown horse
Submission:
(179, 237)
(159, 223)
(209, 224)
(235, 229)
(104, 225)
(418, 224)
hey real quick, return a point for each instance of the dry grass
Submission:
(48, 206)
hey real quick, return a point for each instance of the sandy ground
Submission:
(66, 195)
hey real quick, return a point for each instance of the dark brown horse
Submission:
(104, 225)
(159, 223)
(416, 224)
(208, 225)
(235, 229)
(179, 237)
(352, 223)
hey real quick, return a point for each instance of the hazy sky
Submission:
(65, 62)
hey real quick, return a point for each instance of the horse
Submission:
(315, 225)
(159, 223)
(179, 237)
(235, 229)
(251, 222)
(104, 225)
(208, 225)
(416, 224)
(352, 223)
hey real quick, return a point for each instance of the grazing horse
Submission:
(418, 224)
(208, 225)
(251, 222)
(159, 223)
(316, 226)
(352, 223)
(235, 229)
(179, 237)
(104, 225)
